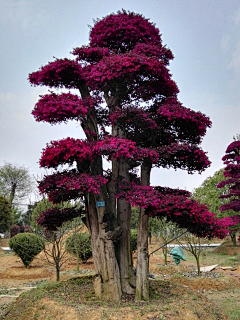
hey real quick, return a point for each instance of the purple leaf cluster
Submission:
(52, 219)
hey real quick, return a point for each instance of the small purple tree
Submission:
(14, 230)
(232, 174)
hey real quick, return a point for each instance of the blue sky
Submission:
(203, 35)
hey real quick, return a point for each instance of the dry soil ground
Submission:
(188, 298)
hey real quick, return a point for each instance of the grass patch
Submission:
(28, 300)
(228, 302)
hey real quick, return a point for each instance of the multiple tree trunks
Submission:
(124, 66)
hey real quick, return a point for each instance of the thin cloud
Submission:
(235, 61)
(237, 17)
(22, 15)
(225, 43)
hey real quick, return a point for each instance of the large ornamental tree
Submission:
(232, 181)
(128, 108)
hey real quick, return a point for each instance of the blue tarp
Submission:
(177, 254)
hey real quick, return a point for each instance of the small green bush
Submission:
(80, 244)
(26, 246)
(133, 240)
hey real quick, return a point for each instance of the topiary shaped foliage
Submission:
(26, 246)
(80, 244)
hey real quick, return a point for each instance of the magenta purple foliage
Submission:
(124, 66)
(52, 219)
(14, 230)
(176, 206)
(232, 174)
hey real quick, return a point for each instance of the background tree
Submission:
(5, 214)
(134, 217)
(154, 229)
(16, 215)
(128, 109)
(167, 230)
(55, 224)
(232, 183)
(209, 194)
(79, 244)
(16, 183)
(75, 240)
(26, 216)
(192, 244)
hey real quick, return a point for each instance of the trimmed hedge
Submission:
(26, 246)
(80, 244)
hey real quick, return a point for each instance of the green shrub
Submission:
(133, 240)
(26, 246)
(80, 245)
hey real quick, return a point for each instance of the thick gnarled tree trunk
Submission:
(104, 234)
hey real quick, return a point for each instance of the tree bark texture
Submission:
(164, 249)
(198, 264)
(104, 234)
(142, 281)
(57, 274)
(233, 238)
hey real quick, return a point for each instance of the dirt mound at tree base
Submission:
(74, 299)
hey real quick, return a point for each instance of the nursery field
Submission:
(33, 293)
